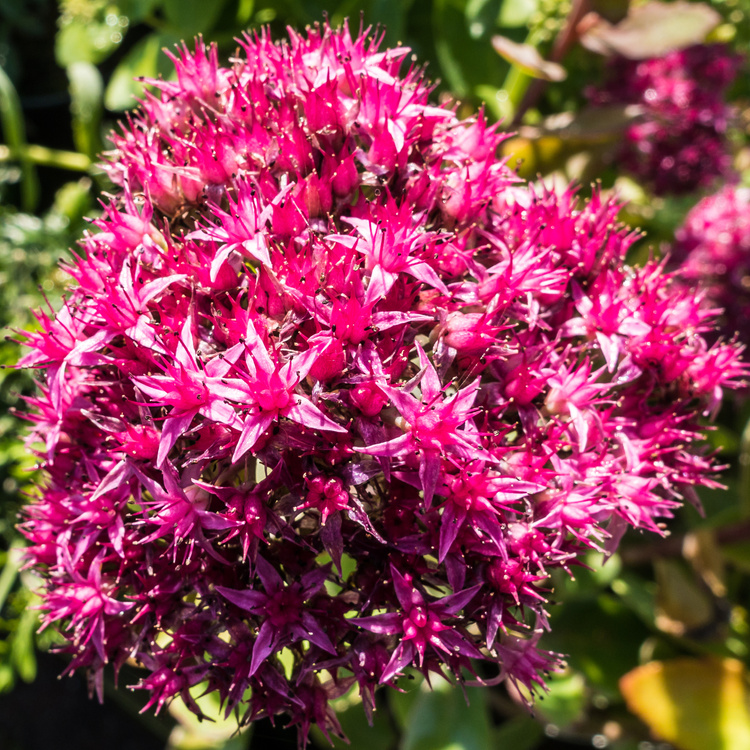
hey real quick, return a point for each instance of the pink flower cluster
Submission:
(678, 142)
(334, 391)
(712, 249)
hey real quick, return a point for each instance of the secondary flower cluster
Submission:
(712, 249)
(678, 142)
(334, 391)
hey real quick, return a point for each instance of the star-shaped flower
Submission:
(431, 426)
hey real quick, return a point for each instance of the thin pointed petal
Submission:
(255, 426)
(304, 412)
(429, 474)
(173, 429)
(265, 645)
(402, 658)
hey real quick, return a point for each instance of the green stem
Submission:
(14, 130)
(744, 488)
(516, 83)
(567, 37)
(46, 157)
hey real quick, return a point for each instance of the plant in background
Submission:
(678, 143)
(712, 249)
(334, 391)
(30, 250)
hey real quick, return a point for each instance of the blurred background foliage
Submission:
(658, 638)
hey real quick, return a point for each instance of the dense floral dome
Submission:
(678, 142)
(333, 391)
(712, 250)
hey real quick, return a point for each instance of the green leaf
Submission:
(653, 30)
(695, 704)
(604, 570)
(10, 570)
(244, 11)
(481, 17)
(533, 156)
(351, 715)
(445, 17)
(6, 678)
(403, 699)
(145, 60)
(565, 700)
(494, 100)
(723, 439)
(136, 10)
(392, 14)
(638, 595)
(613, 10)
(73, 200)
(85, 41)
(600, 637)
(86, 89)
(520, 733)
(587, 582)
(213, 733)
(464, 63)
(441, 720)
(22, 651)
(737, 553)
(192, 17)
(681, 604)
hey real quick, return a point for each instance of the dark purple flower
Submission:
(678, 141)
(418, 625)
(282, 610)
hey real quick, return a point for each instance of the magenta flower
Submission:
(388, 240)
(270, 389)
(239, 229)
(712, 252)
(285, 618)
(191, 389)
(337, 398)
(419, 625)
(87, 603)
(678, 142)
(475, 499)
(430, 426)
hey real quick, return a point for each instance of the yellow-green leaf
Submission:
(695, 704)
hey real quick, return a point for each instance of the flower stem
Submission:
(11, 116)
(744, 488)
(46, 157)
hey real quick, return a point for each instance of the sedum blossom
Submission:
(333, 391)
(712, 252)
(678, 142)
